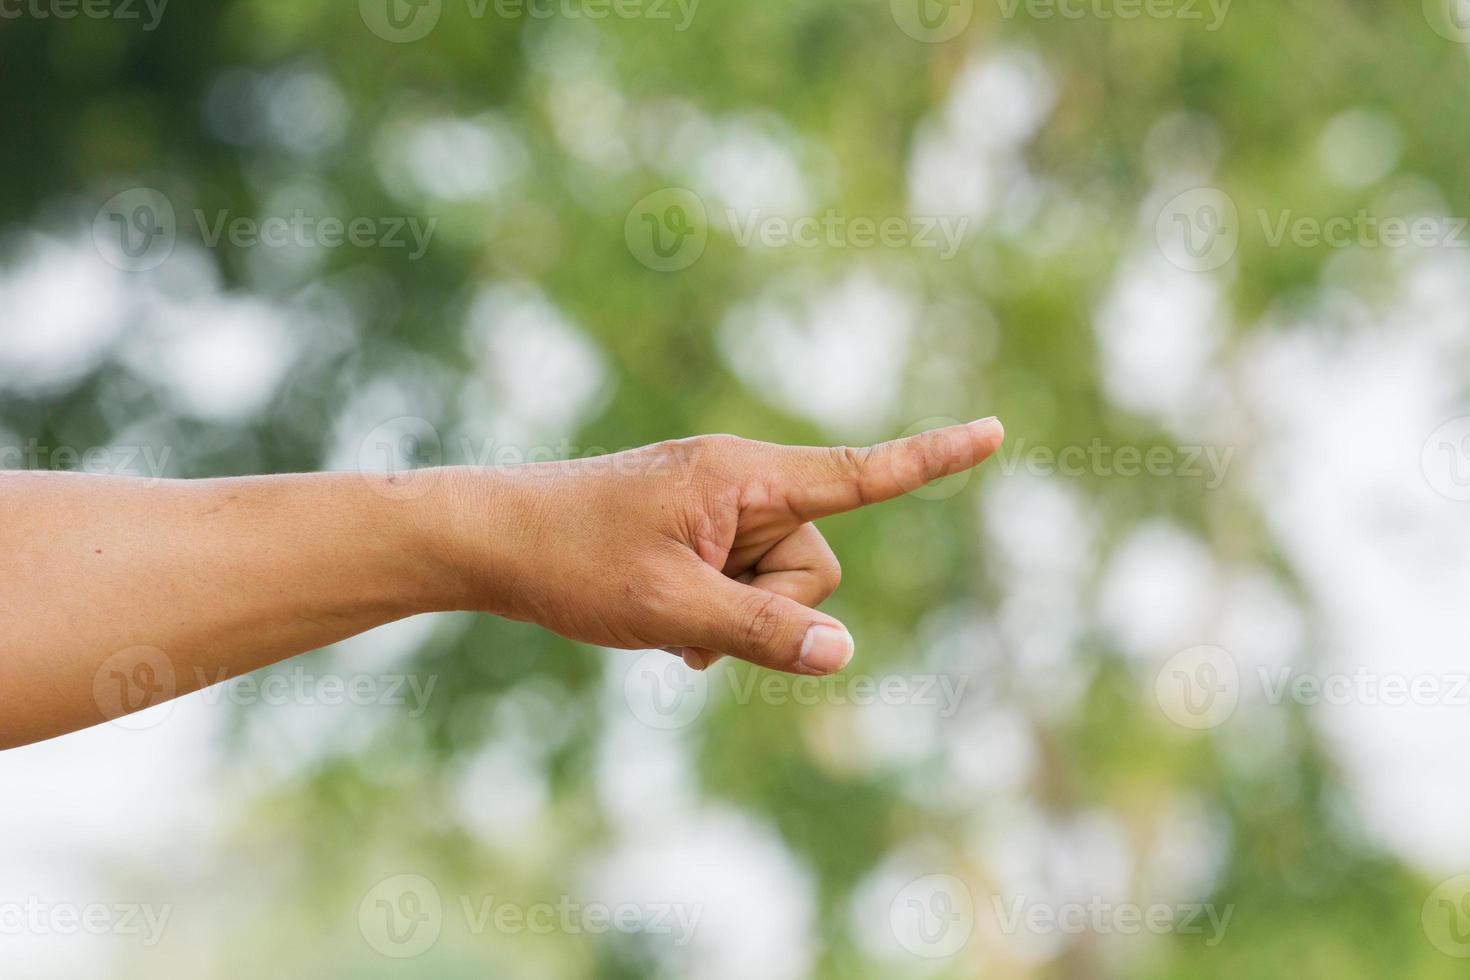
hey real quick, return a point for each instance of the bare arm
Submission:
(703, 546)
(219, 576)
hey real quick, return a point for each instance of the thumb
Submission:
(764, 628)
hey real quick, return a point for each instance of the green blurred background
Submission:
(1022, 729)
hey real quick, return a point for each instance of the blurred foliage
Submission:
(92, 107)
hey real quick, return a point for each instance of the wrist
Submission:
(466, 526)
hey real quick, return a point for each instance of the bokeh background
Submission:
(1080, 738)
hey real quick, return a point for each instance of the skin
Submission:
(120, 593)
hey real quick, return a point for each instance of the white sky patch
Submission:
(450, 158)
(750, 166)
(219, 358)
(991, 752)
(545, 375)
(963, 160)
(1385, 558)
(1158, 592)
(1188, 851)
(834, 354)
(61, 310)
(305, 110)
(755, 904)
(1054, 860)
(1043, 535)
(669, 134)
(645, 775)
(391, 421)
(871, 912)
(95, 817)
(502, 793)
(1359, 147)
(1159, 331)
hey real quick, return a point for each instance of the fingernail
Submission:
(826, 649)
(991, 421)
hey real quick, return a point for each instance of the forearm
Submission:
(219, 576)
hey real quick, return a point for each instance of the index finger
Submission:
(824, 481)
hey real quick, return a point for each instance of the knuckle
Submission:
(760, 622)
(857, 467)
(831, 572)
(707, 455)
(853, 466)
(852, 460)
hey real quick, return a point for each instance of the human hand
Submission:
(703, 546)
